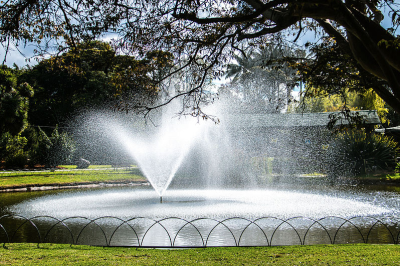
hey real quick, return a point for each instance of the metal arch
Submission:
(398, 237)
(119, 226)
(250, 223)
(360, 227)
(8, 238)
(132, 219)
(158, 222)
(5, 215)
(376, 222)
(286, 222)
(4, 229)
(26, 220)
(191, 223)
(318, 222)
(348, 221)
(91, 221)
(54, 225)
(272, 218)
(222, 222)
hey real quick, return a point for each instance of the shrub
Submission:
(18, 160)
(357, 152)
(58, 148)
(12, 150)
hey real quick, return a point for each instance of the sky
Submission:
(26, 57)
(15, 57)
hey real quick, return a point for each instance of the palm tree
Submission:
(261, 78)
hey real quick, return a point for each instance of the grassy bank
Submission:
(50, 254)
(69, 176)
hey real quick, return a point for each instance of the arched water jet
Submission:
(159, 154)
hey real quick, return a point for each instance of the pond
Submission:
(134, 216)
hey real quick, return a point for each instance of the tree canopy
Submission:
(14, 102)
(262, 80)
(91, 76)
(208, 33)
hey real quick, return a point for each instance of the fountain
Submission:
(159, 155)
(203, 171)
(159, 146)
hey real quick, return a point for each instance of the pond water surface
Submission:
(134, 216)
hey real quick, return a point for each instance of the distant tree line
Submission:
(37, 103)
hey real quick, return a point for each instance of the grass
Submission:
(90, 166)
(388, 177)
(59, 177)
(56, 254)
(107, 173)
(393, 177)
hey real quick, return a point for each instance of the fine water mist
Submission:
(211, 203)
(242, 151)
(162, 146)
(159, 152)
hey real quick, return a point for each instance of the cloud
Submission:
(21, 59)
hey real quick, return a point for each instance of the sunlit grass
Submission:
(90, 166)
(34, 178)
(52, 254)
(393, 177)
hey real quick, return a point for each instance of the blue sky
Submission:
(26, 58)
(16, 57)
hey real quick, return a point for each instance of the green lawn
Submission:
(69, 176)
(51, 254)
(90, 166)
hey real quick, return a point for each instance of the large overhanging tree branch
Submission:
(344, 45)
(206, 34)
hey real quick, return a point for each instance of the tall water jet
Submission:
(160, 152)
(199, 151)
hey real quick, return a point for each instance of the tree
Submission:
(213, 31)
(14, 102)
(321, 101)
(12, 150)
(14, 105)
(54, 149)
(262, 80)
(91, 76)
